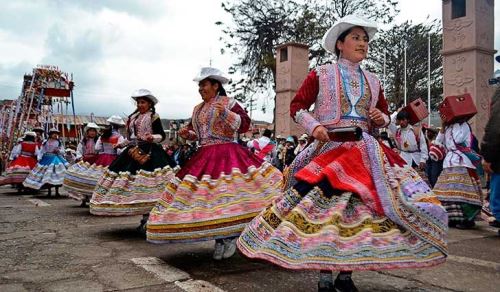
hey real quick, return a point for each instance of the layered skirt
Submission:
(459, 188)
(81, 178)
(350, 206)
(128, 188)
(214, 196)
(49, 171)
(18, 170)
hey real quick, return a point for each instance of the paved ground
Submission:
(51, 244)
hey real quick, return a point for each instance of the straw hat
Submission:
(144, 93)
(331, 36)
(212, 73)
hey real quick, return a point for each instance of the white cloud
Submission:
(116, 46)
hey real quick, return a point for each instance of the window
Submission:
(457, 8)
(284, 54)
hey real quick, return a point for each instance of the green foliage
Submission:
(259, 26)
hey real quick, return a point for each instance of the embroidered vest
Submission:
(28, 148)
(216, 127)
(330, 104)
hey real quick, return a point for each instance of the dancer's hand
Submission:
(377, 117)
(321, 133)
(148, 137)
(219, 107)
(183, 132)
(487, 167)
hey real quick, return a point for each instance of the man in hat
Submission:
(409, 140)
(490, 151)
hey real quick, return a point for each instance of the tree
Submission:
(258, 26)
(391, 44)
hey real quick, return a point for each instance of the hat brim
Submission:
(497, 58)
(221, 79)
(152, 98)
(54, 131)
(331, 36)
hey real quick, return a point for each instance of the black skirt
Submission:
(159, 159)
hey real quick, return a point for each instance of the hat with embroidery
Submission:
(54, 130)
(331, 36)
(144, 93)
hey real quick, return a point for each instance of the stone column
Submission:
(292, 66)
(468, 34)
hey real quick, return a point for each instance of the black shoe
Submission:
(452, 224)
(495, 224)
(466, 225)
(346, 285)
(325, 286)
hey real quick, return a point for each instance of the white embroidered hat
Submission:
(116, 120)
(345, 23)
(54, 130)
(91, 125)
(213, 73)
(144, 93)
(30, 133)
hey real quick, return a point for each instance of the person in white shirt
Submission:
(263, 147)
(410, 141)
(458, 186)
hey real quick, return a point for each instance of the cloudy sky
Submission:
(115, 46)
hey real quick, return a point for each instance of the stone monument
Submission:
(292, 66)
(468, 34)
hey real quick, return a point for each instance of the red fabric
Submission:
(28, 147)
(245, 119)
(23, 161)
(306, 95)
(90, 158)
(393, 157)
(261, 153)
(105, 159)
(382, 103)
(214, 159)
(345, 169)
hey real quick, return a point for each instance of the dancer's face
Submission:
(91, 133)
(207, 90)
(54, 136)
(143, 105)
(355, 45)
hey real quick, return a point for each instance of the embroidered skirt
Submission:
(49, 171)
(18, 170)
(460, 191)
(128, 188)
(350, 206)
(214, 196)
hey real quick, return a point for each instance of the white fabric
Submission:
(263, 142)
(144, 93)
(213, 73)
(99, 146)
(16, 151)
(409, 147)
(345, 23)
(50, 146)
(458, 133)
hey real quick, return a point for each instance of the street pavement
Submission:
(52, 244)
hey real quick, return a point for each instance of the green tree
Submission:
(391, 43)
(258, 26)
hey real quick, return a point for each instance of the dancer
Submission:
(23, 160)
(51, 167)
(136, 179)
(223, 186)
(351, 205)
(81, 178)
(458, 185)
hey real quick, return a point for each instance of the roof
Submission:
(80, 120)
